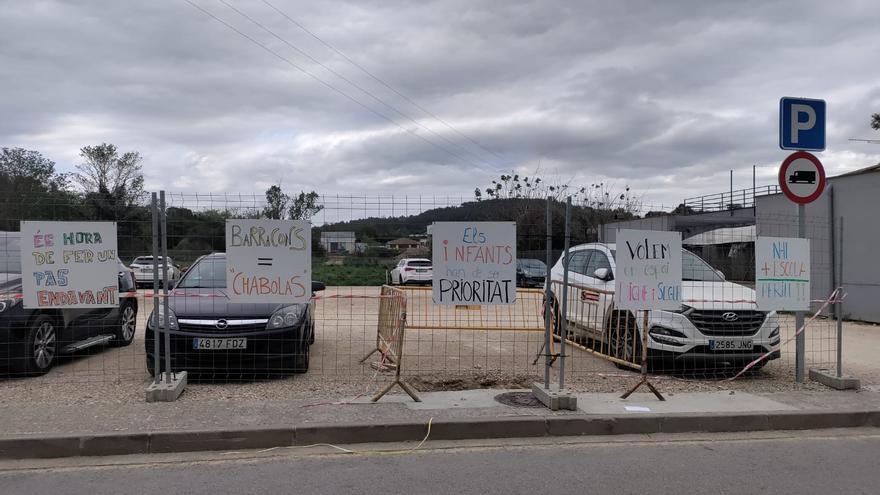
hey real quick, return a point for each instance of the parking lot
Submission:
(446, 348)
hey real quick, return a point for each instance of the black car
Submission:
(212, 335)
(32, 339)
(530, 272)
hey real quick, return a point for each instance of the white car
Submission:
(412, 271)
(718, 321)
(142, 266)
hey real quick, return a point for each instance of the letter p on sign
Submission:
(801, 124)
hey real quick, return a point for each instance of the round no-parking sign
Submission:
(802, 177)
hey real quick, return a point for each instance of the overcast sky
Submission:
(663, 96)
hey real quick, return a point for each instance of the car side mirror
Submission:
(318, 286)
(602, 274)
(721, 274)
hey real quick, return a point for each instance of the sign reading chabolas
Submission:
(69, 265)
(648, 270)
(269, 260)
(474, 262)
(782, 274)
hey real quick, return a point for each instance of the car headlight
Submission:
(684, 310)
(287, 316)
(8, 304)
(157, 318)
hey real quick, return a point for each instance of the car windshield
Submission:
(419, 263)
(532, 264)
(144, 260)
(209, 273)
(694, 269)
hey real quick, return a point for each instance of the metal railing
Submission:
(730, 200)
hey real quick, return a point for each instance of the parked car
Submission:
(32, 339)
(142, 266)
(530, 272)
(718, 322)
(412, 271)
(211, 334)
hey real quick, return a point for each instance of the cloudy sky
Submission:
(666, 97)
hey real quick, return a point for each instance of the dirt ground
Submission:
(445, 349)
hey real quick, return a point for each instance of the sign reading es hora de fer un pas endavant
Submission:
(782, 273)
(474, 262)
(268, 261)
(69, 265)
(648, 270)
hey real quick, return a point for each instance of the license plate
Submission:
(219, 344)
(730, 345)
(421, 271)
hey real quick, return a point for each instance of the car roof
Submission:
(415, 259)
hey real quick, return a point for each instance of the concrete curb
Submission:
(447, 429)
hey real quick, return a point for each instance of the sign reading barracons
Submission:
(268, 260)
(474, 262)
(648, 270)
(69, 264)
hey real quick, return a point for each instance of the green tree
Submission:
(30, 189)
(305, 205)
(875, 121)
(276, 203)
(110, 177)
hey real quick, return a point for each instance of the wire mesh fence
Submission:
(366, 249)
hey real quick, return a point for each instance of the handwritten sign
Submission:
(69, 265)
(782, 273)
(474, 263)
(648, 270)
(269, 261)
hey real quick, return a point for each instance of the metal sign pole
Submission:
(548, 302)
(563, 318)
(801, 340)
(838, 312)
(157, 375)
(165, 323)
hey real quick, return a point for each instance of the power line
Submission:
(380, 81)
(352, 83)
(325, 83)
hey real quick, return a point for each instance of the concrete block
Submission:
(46, 447)
(554, 398)
(829, 378)
(714, 423)
(112, 444)
(192, 441)
(165, 391)
(360, 433)
(502, 427)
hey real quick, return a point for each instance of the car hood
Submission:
(215, 303)
(534, 272)
(717, 295)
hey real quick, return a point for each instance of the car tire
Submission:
(625, 346)
(301, 359)
(39, 347)
(126, 326)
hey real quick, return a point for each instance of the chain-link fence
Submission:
(362, 247)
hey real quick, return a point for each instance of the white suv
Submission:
(142, 266)
(718, 323)
(412, 271)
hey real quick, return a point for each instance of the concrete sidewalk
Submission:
(226, 425)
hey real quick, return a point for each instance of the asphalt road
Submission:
(797, 463)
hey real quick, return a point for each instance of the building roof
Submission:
(866, 170)
(337, 235)
(403, 241)
(725, 235)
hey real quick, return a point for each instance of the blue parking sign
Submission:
(801, 124)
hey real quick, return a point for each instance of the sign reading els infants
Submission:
(269, 261)
(474, 263)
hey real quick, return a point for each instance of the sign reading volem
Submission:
(648, 270)
(474, 263)
(782, 274)
(269, 261)
(69, 265)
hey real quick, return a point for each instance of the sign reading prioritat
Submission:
(801, 124)
(782, 273)
(802, 177)
(648, 270)
(269, 261)
(69, 265)
(474, 262)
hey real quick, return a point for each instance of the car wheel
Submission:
(301, 359)
(126, 326)
(622, 336)
(40, 346)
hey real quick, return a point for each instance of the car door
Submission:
(576, 312)
(600, 299)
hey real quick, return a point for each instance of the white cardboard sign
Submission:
(474, 263)
(69, 265)
(782, 273)
(648, 270)
(268, 261)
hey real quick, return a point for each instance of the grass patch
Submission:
(335, 275)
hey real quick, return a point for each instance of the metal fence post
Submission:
(165, 323)
(548, 301)
(801, 339)
(157, 375)
(838, 311)
(563, 318)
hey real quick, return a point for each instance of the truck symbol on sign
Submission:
(802, 177)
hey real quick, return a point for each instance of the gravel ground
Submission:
(477, 355)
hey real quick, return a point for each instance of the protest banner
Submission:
(782, 274)
(648, 270)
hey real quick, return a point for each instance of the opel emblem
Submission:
(222, 324)
(730, 316)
